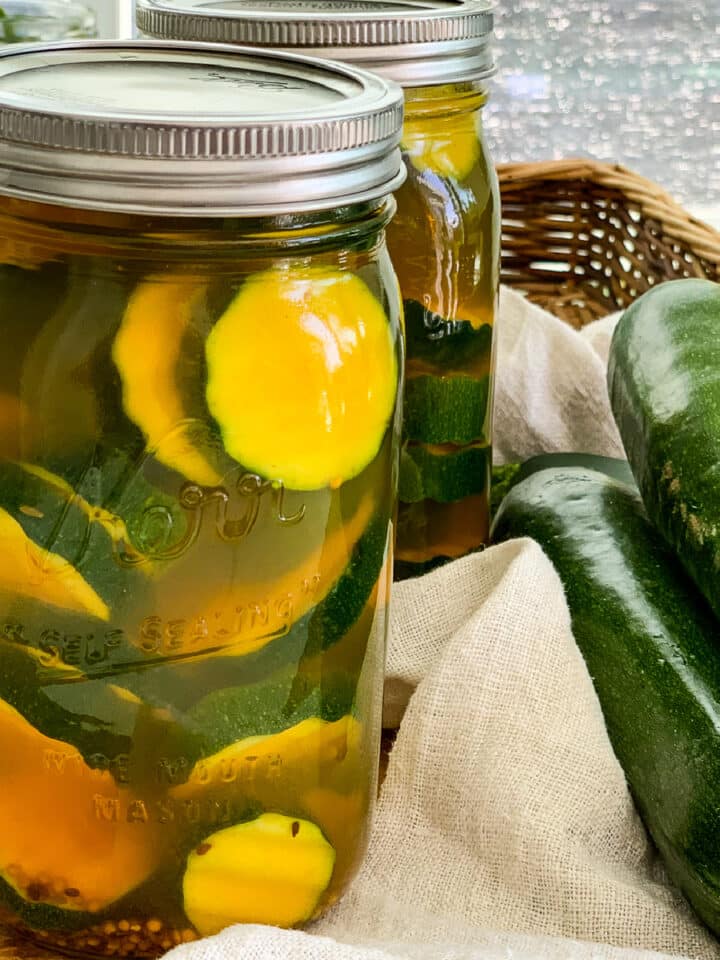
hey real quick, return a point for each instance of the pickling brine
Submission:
(444, 240)
(198, 462)
(445, 245)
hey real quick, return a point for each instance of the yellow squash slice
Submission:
(147, 352)
(69, 836)
(299, 750)
(29, 571)
(271, 870)
(448, 146)
(302, 376)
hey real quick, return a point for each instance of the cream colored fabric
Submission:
(505, 830)
(550, 394)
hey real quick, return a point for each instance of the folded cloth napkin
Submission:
(505, 828)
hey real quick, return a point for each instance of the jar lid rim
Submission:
(391, 37)
(130, 125)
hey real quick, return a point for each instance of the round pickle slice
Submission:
(26, 570)
(302, 376)
(448, 147)
(148, 352)
(62, 842)
(271, 870)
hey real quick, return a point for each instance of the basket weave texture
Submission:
(584, 239)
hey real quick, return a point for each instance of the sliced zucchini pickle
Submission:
(302, 376)
(272, 870)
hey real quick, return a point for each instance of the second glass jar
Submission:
(444, 240)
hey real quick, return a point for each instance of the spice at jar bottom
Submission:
(121, 938)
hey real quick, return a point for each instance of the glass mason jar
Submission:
(444, 240)
(198, 461)
(36, 21)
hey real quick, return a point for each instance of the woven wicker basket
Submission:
(584, 238)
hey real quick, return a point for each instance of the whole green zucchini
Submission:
(664, 383)
(652, 647)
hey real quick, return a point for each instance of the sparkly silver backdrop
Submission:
(635, 81)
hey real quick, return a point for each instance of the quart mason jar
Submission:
(35, 21)
(198, 460)
(444, 240)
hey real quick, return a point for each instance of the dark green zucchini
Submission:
(664, 383)
(506, 475)
(617, 469)
(652, 647)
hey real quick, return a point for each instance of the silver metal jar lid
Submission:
(194, 130)
(413, 42)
